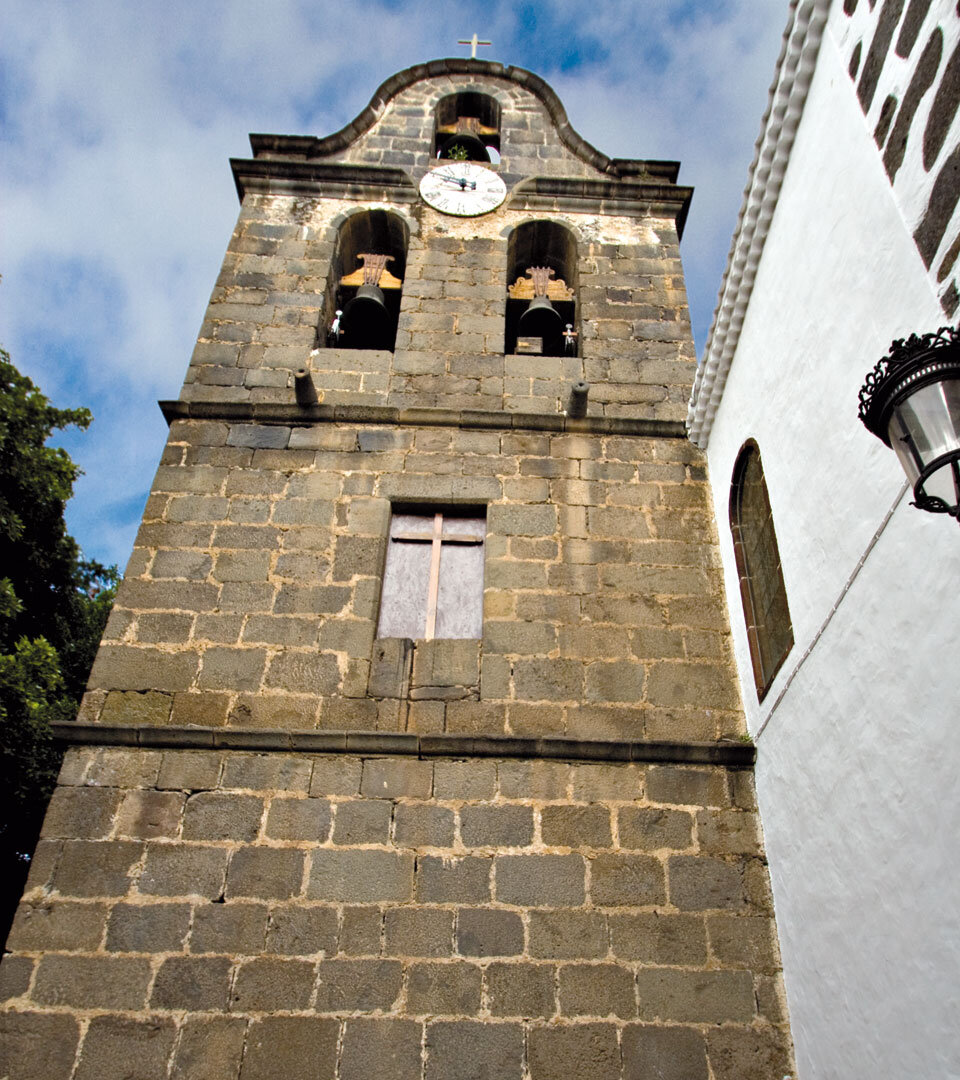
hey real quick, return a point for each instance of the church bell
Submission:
(465, 141)
(366, 321)
(541, 320)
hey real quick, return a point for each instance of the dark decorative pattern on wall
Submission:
(923, 76)
(910, 114)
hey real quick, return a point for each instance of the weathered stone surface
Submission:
(687, 786)
(395, 778)
(581, 1052)
(667, 1053)
(483, 932)
(576, 826)
(659, 939)
(49, 924)
(626, 880)
(464, 780)
(268, 985)
(364, 821)
(457, 879)
(533, 880)
(113, 1042)
(92, 868)
(147, 928)
(698, 883)
(145, 815)
(37, 1046)
(358, 875)
(346, 986)
(699, 997)
(92, 982)
(15, 975)
(194, 983)
(455, 1047)
(388, 1049)
(521, 990)
(295, 1047)
(302, 931)
(650, 828)
(748, 1053)
(597, 990)
(449, 989)
(417, 932)
(423, 825)
(265, 873)
(497, 826)
(210, 1049)
(80, 812)
(336, 776)
(567, 934)
(744, 941)
(178, 871)
(228, 927)
(298, 819)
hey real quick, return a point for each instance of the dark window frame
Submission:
(769, 645)
(436, 532)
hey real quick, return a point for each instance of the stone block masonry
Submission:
(252, 594)
(288, 848)
(238, 915)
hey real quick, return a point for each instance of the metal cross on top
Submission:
(473, 43)
(436, 537)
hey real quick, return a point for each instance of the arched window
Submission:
(366, 281)
(467, 127)
(762, 590)
(541, 290)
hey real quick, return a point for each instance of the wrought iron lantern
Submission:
(911, 400)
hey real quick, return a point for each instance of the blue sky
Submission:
(116, 200)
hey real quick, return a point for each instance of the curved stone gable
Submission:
(398, 120)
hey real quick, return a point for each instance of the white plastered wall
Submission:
(858, 741)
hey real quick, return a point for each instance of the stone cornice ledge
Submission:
(339, 180)
(731, 754)
(296, 415)
(788, 94)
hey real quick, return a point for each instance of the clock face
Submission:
(463, 188)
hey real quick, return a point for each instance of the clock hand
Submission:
(460, 181)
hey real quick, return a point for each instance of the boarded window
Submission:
(762, 590)
(433, 578)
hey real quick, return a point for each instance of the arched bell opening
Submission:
(542, 290)
(467, 127)
(366, 281)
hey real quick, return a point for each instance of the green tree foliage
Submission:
(53, 607)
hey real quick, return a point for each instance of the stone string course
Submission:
(224, 915)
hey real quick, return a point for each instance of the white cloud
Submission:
(116, 200)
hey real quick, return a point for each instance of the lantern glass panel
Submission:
(924, 427)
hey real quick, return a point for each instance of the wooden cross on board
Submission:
(473, 43)
(436, 538)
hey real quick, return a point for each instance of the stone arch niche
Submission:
(467, 126)
(762, 589)
(542, 262)
(366, 281)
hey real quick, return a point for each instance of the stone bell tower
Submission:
(413, 749)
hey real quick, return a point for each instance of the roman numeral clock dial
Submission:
(463, 188)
